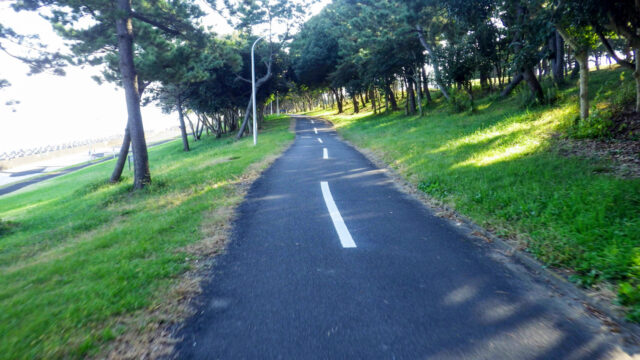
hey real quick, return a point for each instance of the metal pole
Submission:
(253, 92)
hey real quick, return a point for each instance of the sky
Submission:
(54, 109)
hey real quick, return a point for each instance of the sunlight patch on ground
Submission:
(519, 138)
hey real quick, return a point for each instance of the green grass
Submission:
(499, 167)
(79, 252)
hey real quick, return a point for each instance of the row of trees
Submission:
(373, 47)
(159, 51)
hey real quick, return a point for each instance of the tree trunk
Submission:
(418, 91)
(356, 109)
(183, 127)
(372, 97)
(391, 98)
(557, 62)
(122, 157)
(512, 85)
(534, 85)
(636, 76)
(576, 68)
(193, 130)
(583, 63)
(259, 83)
(411, 97)
(245, 121)
(338, 99)
(142, 175)
(434, 62)
(425, 80)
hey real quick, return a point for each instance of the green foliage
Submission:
(526, 99)
(433, 187)
(612, 98)
(460, 101)
(88, 252)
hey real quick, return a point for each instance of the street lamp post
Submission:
(253, 91)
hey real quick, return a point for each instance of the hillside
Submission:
(83, 261)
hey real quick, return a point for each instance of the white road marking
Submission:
(325, 153)
(343, 233)
(320, 140)
(316, 130)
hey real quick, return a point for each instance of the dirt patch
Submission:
(292, 125)
(619, 152)
(619, 157)
(151, 333)
(626, 125)
(218, 160)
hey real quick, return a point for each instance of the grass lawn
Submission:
(500, 166)
(79, 253)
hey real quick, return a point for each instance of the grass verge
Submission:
(84, 262)
(500, 167)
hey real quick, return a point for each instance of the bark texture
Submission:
(512, 85)
(583, 62)
(636, 75)
(122, 157)
(142, 175)
(183, 127)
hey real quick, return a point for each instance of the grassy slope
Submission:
(85, 252)
(499, 167)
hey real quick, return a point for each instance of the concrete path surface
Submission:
(329, 260)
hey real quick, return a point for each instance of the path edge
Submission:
(599, 309)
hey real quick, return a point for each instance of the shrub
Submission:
(6, 226)
(460, 101)
(525, 99)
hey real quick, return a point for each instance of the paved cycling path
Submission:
(328, 260)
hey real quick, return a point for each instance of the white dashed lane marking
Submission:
(343, 233)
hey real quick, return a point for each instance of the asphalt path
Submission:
(32, 177)
(409, 286)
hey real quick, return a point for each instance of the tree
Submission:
(314, 54)
(623, 18)
(529, 31)
(572, 23)
(244, 15)
(111, 32)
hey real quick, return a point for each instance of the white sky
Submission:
(55, 109)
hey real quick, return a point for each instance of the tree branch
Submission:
(243, 79)
(152, 22)
(611, 52)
